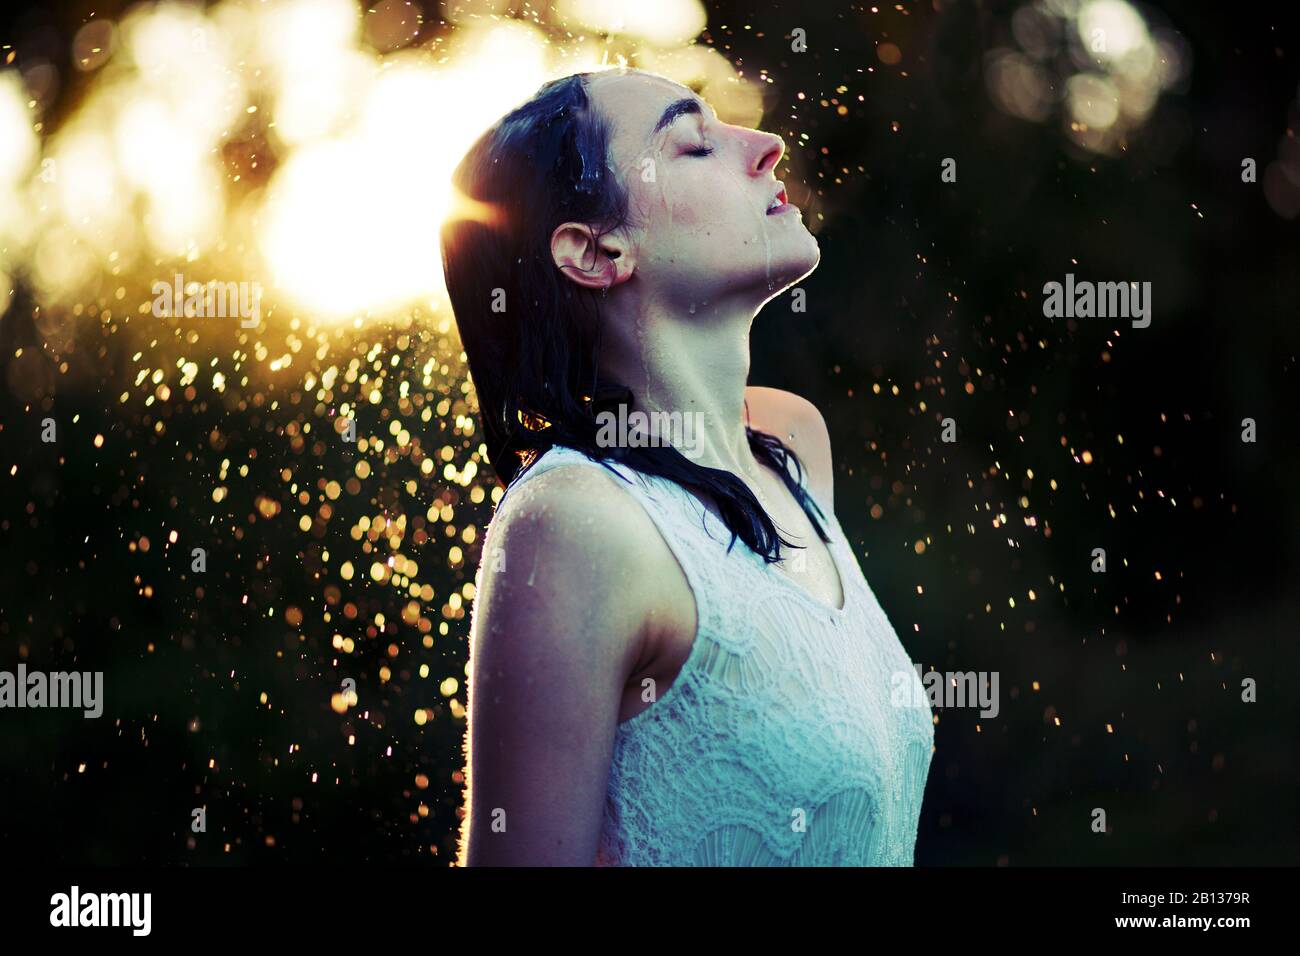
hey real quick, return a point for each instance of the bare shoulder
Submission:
(798, 423)
(579, 507)
(566, 552)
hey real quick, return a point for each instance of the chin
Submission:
(814, 257)
(800, 263)
(788, 275)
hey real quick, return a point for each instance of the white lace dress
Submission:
(793, 735)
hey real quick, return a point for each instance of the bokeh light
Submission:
(1096, 64)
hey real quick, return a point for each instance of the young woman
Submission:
(675, 659)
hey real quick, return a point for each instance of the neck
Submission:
(693, 365)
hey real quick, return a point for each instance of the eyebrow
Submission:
(687, 104)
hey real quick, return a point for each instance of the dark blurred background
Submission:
(1120, 690)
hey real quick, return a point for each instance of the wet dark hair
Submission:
(533, 358)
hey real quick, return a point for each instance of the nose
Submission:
(770, 149)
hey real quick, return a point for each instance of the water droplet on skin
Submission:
(767, 246)
(642, 351)
(762, 232)
(532, 573)
(662, 177)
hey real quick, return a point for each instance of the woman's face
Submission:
(700, 194)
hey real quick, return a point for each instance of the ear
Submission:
(592, 263)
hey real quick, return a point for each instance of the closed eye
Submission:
(699, 151)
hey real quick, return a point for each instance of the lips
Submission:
(778, 204)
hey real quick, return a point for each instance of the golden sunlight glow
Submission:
(18, 146)
(19, 150)
(305, 145)
(665, 22)
(352, 221)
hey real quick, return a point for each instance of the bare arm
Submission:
(558, 622)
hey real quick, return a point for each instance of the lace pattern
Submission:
(790, 736)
